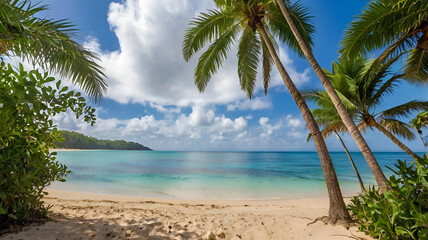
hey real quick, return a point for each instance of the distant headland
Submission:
(75, 140)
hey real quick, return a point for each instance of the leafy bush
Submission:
(401, 213)
(28, 100)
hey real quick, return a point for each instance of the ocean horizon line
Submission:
(226, 151)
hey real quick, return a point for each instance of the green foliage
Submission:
(401, 213)
(397, 26)
(47, 43)
(420, 121)
(28, 100)
(74, 140)
(362, 85)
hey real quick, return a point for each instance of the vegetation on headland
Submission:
(74, 140)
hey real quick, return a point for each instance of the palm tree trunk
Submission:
(337, 210)
(396, 141)
(344, 115)
(363, 189)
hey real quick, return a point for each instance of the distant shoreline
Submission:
(237, 151)
(77, 150)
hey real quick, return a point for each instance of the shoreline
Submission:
(77, 215)
(77, 195)
(237, 151)
(80, 195)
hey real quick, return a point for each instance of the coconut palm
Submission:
(253, 25)
(346, 118)
(362, 89)
(48, 43)
(419, 122)
(399, 27)
(332, 124)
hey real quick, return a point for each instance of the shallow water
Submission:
(213, 175)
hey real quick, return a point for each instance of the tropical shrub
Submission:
(401, 213)
(28, 101)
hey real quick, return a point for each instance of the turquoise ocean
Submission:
(213, 175)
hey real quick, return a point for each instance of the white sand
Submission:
(77, 215)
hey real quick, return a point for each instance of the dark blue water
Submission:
(217, 175)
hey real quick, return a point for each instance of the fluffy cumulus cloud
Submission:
(176, 133)
(201, 129)
(149, 67)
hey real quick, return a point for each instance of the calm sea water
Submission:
(214, 175)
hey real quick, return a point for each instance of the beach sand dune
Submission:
(93, 216)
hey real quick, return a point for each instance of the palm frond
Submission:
(398, 128)
(206, 28)
(381, 24)
(416, 67)
(301, 18)
(386, 88)
(249, 51)
(312, 94)
(212, 59)
(326, 116)
(397, 49)
(405, 110)
(326, 132)
(267, 66)
(48, 43)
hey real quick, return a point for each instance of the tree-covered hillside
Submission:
(74, 140)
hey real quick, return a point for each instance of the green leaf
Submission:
(65, 88)
(2, 211)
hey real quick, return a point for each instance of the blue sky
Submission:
(151, 97)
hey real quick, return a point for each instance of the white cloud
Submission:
(296, 127)
(163, 134)
(268, 129)
(164, 109)
(251, 104)
(149, 67)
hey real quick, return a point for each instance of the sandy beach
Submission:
(76, 215)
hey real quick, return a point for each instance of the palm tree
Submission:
(420, 121)
(254, 24)
(332, 124)
(399, 27)
(362, 89)
(346, 118)
(47, 43)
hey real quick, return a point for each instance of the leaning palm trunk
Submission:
(344, 115)
(363, 189)
(396, 141)
(422, 138)
(337, 210)
(423, 142)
